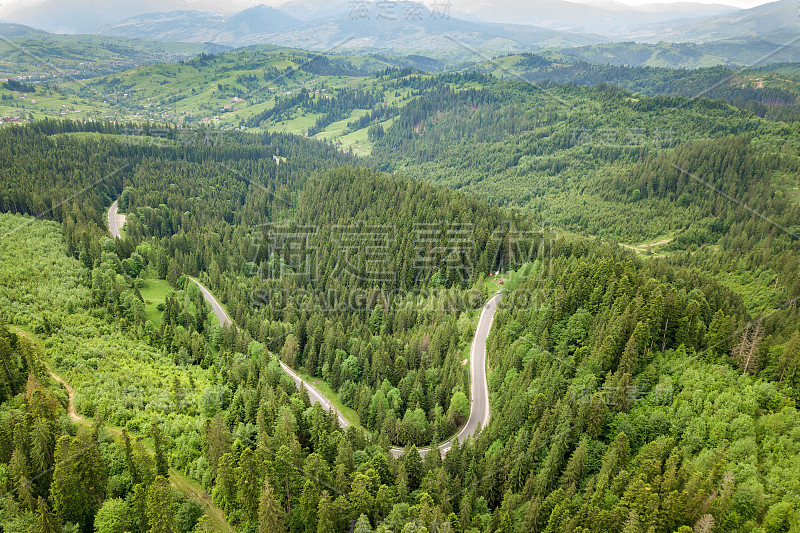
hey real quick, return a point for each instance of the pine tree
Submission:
(576, 466)
(284, 472)
(632, 524)
(139, 507)
(362, 525)
(160, 507)
(42, 445)
(79, 479)
(129, 459)
(247, 484)
(718, 338)
(788, 368)
(46, 521)
(270, 512)
(225, 488)
(218, 441)
(309, 502)
(326, 522)
(413, 464)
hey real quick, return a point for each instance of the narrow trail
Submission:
(70, 398)
(179, 481)
(188, 487)
(642, 248)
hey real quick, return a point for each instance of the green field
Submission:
(154, 291)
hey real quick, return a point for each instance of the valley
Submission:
(277, 268)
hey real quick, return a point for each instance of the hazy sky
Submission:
(8, 7)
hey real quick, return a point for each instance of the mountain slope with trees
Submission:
(628, 393)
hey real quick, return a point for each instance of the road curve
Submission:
(115, 223)
(70, 398)
(222, 315)
(115, 220)
(314, 394)
(479, 412)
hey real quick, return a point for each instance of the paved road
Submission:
(115, 220)
(314, 394)
(222, 315)
(115, 223)
(479, 390)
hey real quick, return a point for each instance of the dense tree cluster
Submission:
(627, 394)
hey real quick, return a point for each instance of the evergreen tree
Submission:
(270, 513)
(160, 507)
(46, 521)
(162, 464)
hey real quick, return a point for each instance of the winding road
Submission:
(479, 412)
(115, 220)
(313, 393)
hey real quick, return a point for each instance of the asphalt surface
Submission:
(115, 223)
(314, 394)
(479, 412)
(222, 315)
(115, 220)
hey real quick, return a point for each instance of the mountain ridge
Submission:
(408, 25)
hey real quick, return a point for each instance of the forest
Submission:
(629, 392)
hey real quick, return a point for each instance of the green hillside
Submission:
(52, 58)
(643, 363)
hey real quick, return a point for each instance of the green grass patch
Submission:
(154, 292)
(298, 125)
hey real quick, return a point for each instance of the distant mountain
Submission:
(400, 25)
(733, 53)
(251, 26)
(78, 16)
(609, 17)
(411, 26)
(776, 22)
(494, 26)
(307, 10)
